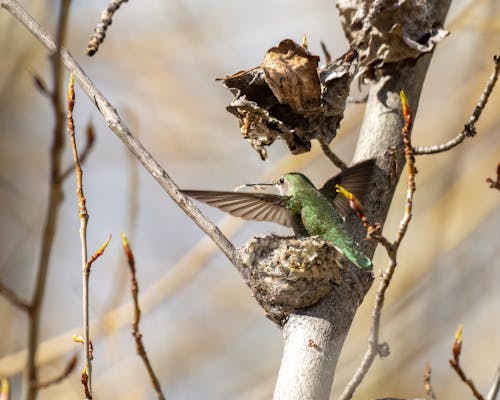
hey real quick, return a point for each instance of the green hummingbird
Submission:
(301, 206)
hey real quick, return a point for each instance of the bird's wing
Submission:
(355, 179)
(255, 206)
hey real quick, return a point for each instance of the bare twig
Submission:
(89, 143)
(455, 364)
(102, 26)
(495, 184)
(374, 347)
(470, 127)
(427, 383)
(116, 124)
(53, 207)
(13, 298)
(134, 287)
(70, 366)
(84, 217)
(86, 262)
(495, 386)
(332, 156)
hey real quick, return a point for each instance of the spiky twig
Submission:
(455, 364)
(102, 26)
(141, 350)
(427, 383)
(470, 127)
(374, 347)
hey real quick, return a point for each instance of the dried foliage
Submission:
(388, 31)
(288, 97)
(495, 184)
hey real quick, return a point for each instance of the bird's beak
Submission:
(253, 185)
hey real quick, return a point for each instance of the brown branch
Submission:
(470, 127)
(427, 382)
(120, 129)
(70, 366)
(455, 364)
(332, 156)
(495, 184)
(52, 212)
(13, 298)
(374, 347)
(134, 288)
(89, 144)
(102, 26)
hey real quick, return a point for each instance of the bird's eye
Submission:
(281, 181)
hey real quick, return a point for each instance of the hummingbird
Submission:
(301, 206)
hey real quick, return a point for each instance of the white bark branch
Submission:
(307, 372)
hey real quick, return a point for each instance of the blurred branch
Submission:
(134, 288)
(427, 383)
(455, 364)
(374, 347)
(495, 184)
(470, 127)
(53, 207)
(116, 124)
(70, 366)
(102, 26)
(495, 386)
(89, 143)
(332, 156)
(13, 298)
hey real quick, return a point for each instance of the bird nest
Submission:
(289, 274)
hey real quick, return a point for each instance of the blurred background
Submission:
(206, 337)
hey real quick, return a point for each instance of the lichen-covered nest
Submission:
(290, 274)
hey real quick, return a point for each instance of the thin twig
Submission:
(84, 217)
(89, 143)
(328, 56)
(53, 207)
(374, 347)
(134, 288)
(495, 386)
(332, 156)
(427, 382)
(455, 364)
(102, 26)
(116, 124)
(470, 127)
(70, 366)
(13, 298)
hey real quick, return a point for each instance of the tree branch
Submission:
(116, 124)
(470, 127)
(102, 26)
(13, 298)
(304, 371)
(141, 350)
(30, 377)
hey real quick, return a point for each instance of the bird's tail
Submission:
(351, 251)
